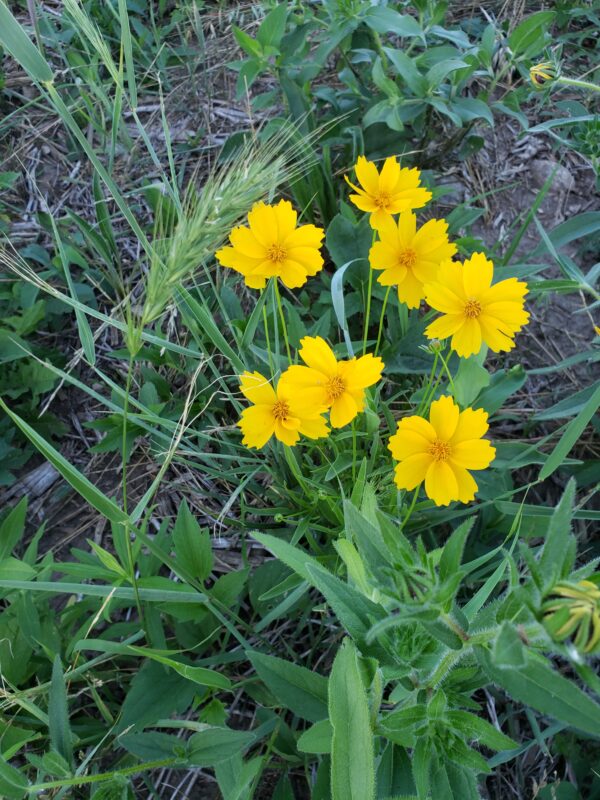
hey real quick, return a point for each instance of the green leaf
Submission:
(502, 385)
(151, 745)
(192, 544)
(12, 528)
(215, 745)
(389, 21)
(475, 728)
(471, 378)
(508, 648)
(54, 764)
(421, 766)
(13, 784)
(539, 686)
(61, 737)
(317, 739)
(301, 690)
(556, 545)
(571, 435)
(272, 27)
(470, 108)
(451, 557)
(347, 241)
(529, 35)
(247, 43)
(352, 758)
(21, 48)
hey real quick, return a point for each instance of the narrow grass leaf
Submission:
(61, 737)
(571, 435)
(21, 48)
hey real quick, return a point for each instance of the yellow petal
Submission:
(473, 454)
(367, 175)
(443, 415)
(441, 485)
(316, 353)
(244, 240)
(441, 298)
(343, 410)
(388, 231)
(467, 340)
(410, 472)
(232, 258)
(255, 281)
(466, 485)
(495, 339)
(405, 199)
(309, 258)
(364, 201)
(418, 425)
(286, 435)
(304, 385)
(361, 372)
(292, 274)
(305, 236)
(445, 326)
(432, 236)
(257, 424)
(406, 443)
(392, 276)
(286, 219)
(314, 428)
(263, 223)
(477, 275)
(378, 216)
(407, 227)
(472, 424)
(410, 290)
(505, 291)
(257, 388)
(389, 176)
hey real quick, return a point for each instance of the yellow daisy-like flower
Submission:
(474, 311)
(409, 257)
(272, 246)
(441, 451)
(390, 191)
(338, 385)
(277, 412)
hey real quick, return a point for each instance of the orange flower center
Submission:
(407, 258)
(276, 253)
(382, 200)
(281, 410)
(335, 387)
(440, 451)
(472, 308)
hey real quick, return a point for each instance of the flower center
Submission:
(440, 451)
(382, 200)
(281, 410)
(407, 258)
(335, 387)
(472, 308)
(276, 253)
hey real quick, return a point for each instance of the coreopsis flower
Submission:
(338, 385)
(573, 611)
(441, 451)
(475, 312)
(390, 191)
(543, 73)
(277, 412)
(273, 246)
(410, 258)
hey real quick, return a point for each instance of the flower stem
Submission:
(385, 299)
(411, 508)
(578, 83)
(266, 324)
(426, 394)
(369, 292)
(450, 381)
(283, 325)
(353, 450)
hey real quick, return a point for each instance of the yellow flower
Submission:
(474, 311)
(441, 451)
(387, 192)
(597, 330)
(338, 385)
(409, 257)
(272, 246)
(277, 412)
(543, 72)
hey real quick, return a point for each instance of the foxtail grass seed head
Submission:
(475, 311)
(572, 611)
(388, 192)
(441, 451)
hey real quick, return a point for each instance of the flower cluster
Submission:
(305, 393)
(439, 451)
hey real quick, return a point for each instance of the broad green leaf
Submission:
(272, 27)
(12, 528)
(471, 378)
(352, 757)
(215, 745)
(388, 21)
(152, 745)
(470, 108)
(451, 557)
(556, 546)
(472, 727)
(508, 649)
(61, 737)
(300, 689)
(192, 544)
(502, 385)
(13, 784)
(317, 739)
(529, 35)
(539, 686)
